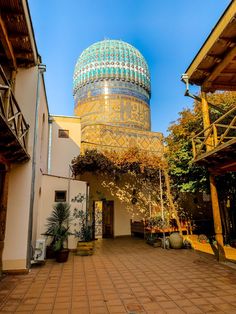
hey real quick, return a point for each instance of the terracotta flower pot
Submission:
(62, 255)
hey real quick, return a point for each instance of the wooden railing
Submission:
(10, 111)
(220, 132)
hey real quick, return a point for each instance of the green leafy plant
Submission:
(84, 232)
(58, 225)
(82, 218)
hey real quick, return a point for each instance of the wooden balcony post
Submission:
(214, 193)
(206, 119)
(7, 103)
(217, 218)
(215, 142)
(19, 125)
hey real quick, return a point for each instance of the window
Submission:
(63, 133)
(60, 196)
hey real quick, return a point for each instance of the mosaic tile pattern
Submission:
(117, 110)
(111, 60)
(107, 137)
(111, 88)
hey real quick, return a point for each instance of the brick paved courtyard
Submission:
(124, 276)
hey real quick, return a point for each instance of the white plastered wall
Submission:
(121, 215)
(63, 150)
(20, 175)
(50, 184)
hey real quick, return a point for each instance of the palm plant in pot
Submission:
(58, 225)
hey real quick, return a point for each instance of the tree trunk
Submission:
(170, 199)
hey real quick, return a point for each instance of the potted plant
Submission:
(155, 225)
(58, 225)
(84, 232)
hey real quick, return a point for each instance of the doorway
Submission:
(107, 219)
(103, 218)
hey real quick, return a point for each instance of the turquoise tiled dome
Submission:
(110, 60)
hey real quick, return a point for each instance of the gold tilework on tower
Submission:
(115, 110)
(106, 137)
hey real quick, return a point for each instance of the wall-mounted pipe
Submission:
(41, 69)
(50, 121)
(185, 79)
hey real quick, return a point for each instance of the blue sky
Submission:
(168, 33)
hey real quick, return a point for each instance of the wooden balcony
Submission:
(13, 127)
(215, 147)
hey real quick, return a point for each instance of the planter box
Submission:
(85, 248)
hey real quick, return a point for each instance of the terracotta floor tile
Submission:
(114, 302)
(119, 309)
(63, 293)
(192, 310)
(9, 308)
(162, 298)
(48, 295)
(30, 300)
(208, 308)
(62, 305)
(81, 310)
(228, 298)
(44, 306)
(153, 308)
(168, 304)
(47, 300)
(123, 272)
(63, 311)
(80, 304)
(229, 308)
(25, 307)
(174, 311)
(42, 312)
(183, 303)
(98, 310)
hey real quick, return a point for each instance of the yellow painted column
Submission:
(214, 193)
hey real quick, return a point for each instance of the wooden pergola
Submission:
(214, 69)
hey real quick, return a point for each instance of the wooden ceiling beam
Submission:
(19, 37)
(211, 87)
(24, 55)
(220, 67)
(13, 17)
(6, 43)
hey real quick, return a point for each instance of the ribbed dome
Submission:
(111, 60)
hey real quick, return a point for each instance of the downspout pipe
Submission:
(185, 79)
(41, 69)
(50, 121)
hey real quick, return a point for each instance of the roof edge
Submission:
(225, 18)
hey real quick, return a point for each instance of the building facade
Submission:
(112, 90)
(112, 93)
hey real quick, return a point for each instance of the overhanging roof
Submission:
(17, 42)
(214, 67)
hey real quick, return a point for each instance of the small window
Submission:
(63, 133)
(60, 196)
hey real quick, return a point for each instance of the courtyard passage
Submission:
(124, 275)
